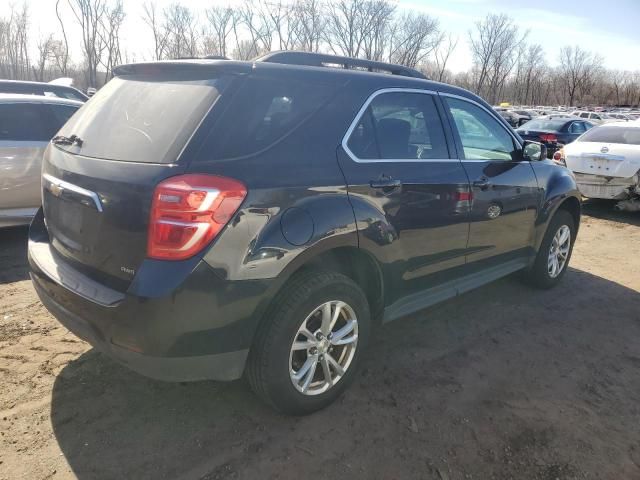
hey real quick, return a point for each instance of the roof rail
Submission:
(291, 57)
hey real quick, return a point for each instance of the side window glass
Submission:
(264, 111)
(362, 141)
(400, 126)
(481, 135)
(584, 115)
(23, 122)
(577, 127)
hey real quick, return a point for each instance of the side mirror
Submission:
(533, 151)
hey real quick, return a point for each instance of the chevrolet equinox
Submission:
(209, 219)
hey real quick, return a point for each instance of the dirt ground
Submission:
(504, 382)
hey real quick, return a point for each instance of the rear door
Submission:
(504, 189)
(410, 194)
(25, 131)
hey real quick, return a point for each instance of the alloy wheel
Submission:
(559, 251)
(323, 348)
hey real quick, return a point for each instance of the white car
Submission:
(606, 163)
(27, 124)
(594, 117)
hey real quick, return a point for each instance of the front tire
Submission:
(309, 347)
(555, 251)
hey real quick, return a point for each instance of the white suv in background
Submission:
(595, 117)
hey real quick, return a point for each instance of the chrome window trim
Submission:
(361, 112)
(493, 114)
(73, 188)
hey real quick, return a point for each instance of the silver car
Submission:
(27, 124)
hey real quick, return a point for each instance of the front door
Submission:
(410, 195)
(505, 194)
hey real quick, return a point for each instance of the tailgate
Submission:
(97, 212)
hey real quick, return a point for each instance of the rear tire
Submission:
(547, 272)
(296, 360)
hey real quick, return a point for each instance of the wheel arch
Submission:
(351, 261)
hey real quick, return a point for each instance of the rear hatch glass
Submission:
(97, 210)
(139, 118)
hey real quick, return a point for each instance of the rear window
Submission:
(604, 134)
(263, 111)
(544, 125)
(32, 122)
(142, 119)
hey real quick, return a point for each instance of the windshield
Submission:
(604, 134)
(544, 124)
(140, 119)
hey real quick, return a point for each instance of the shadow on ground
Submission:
(13, 255)
(503, 382)
(604, 209)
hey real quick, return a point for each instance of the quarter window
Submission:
(399, 126)
(481, 135)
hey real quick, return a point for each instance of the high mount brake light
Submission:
(188, 212)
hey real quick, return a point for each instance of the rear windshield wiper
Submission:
(62, 140)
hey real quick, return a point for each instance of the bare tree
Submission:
(354, 27)
(110, 36)
(576, 70)
(441, 56)
(413, 38)
(494, 46)
(261, 32)
(310, 24)
(180, 30)
(14, 44)
(45, 49)
(60, 51)
(152, 18)
(221, 25)
(377, 28)
(89, 14)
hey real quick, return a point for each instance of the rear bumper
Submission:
(221, 366)
(611, 188)
(201, 329)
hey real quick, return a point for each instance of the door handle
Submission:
(386, 184)
(482, 183)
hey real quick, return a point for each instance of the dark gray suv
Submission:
(209, 219)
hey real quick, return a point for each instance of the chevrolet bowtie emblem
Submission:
(56, 190)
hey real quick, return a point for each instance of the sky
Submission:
(610, 28)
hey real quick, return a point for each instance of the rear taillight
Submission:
(548, 138)
(188, 211)
(558, 157)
